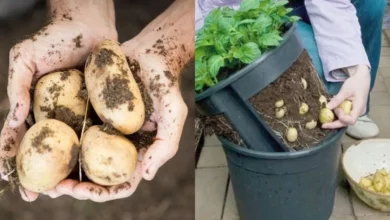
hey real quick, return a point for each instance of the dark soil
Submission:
(219, 126)
(104, 58)
(148, 102)
(67, 116)
(64, 75)
(109, 129)
(77, 41)
(117, 92)
(36, 142)
(142, 139)
(289, 88)
(74, 156)
(83, 92)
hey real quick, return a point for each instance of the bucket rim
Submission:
(282, 155)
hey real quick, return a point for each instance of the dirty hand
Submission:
(64, 43)
(356, 89)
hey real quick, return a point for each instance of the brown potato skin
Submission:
(106, 63)
(46, 158)
(107, 159)
(67, 96)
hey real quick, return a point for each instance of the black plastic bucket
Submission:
(285, 186)
(230, 96)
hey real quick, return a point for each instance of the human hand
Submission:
(64, 43)
(356, 89)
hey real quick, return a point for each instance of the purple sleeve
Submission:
(337, 33)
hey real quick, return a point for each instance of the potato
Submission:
(379, 182)
(326, 115)
(311, 125)
(279, 113)
(59, 90)
(346, 106)
(47, 154)
(113, 92)
(303, 109)
(107, 158)
(365, 182)
(279, 103)
(292, 134)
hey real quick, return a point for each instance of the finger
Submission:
(149, 126)
(27, 195)
(337, 99)
(359, 108)
(53, 193)
(91, 191)
(334, 125)
(9, 142)
(345, 119)
(127, 189)
(66, 187)
(169, 130)
(19, 84)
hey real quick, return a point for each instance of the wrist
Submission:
(360, 69)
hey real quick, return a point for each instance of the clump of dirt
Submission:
(148, 102)
(67, 116)
(64, 75)
(171, 77)
(9, 144)
(289, 88)
(36, 142)
(109, 129)
(104, 58)
(142, 139)
(74, 156)
(83, 92)
(77, 41)
(116, 92)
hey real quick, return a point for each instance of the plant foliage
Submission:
(233, 38)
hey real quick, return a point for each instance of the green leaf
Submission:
(279, 4)
(262, 22)
(249, 4)
(226, 25)
(270, 39)
(215, 63)
(248, 52)
(212, 19)
(294, 18)
(245, 21)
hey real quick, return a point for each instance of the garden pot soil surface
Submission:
(289, 88)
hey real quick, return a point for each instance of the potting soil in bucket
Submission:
(285, 186)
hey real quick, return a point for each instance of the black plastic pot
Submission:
(230, 96)
(285, 186)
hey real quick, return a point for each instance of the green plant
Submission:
(233, 38)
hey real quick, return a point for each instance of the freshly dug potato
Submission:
(107, 157)
(46, 155)
(59, 90)
(113, 92)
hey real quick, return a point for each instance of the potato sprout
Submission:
(304, 83)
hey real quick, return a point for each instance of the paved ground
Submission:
(169, 196)
(214, 195)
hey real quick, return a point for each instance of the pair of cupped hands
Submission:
(74, 39)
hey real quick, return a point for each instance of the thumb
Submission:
(19, 84)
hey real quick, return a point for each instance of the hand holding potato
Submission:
(64, 43)
(355, 89)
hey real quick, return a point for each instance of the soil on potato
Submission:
(289, 88)
(142, 139)
(67, 116)
(117, 92)
(104, 58)
(148, 102)
(109, 129)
